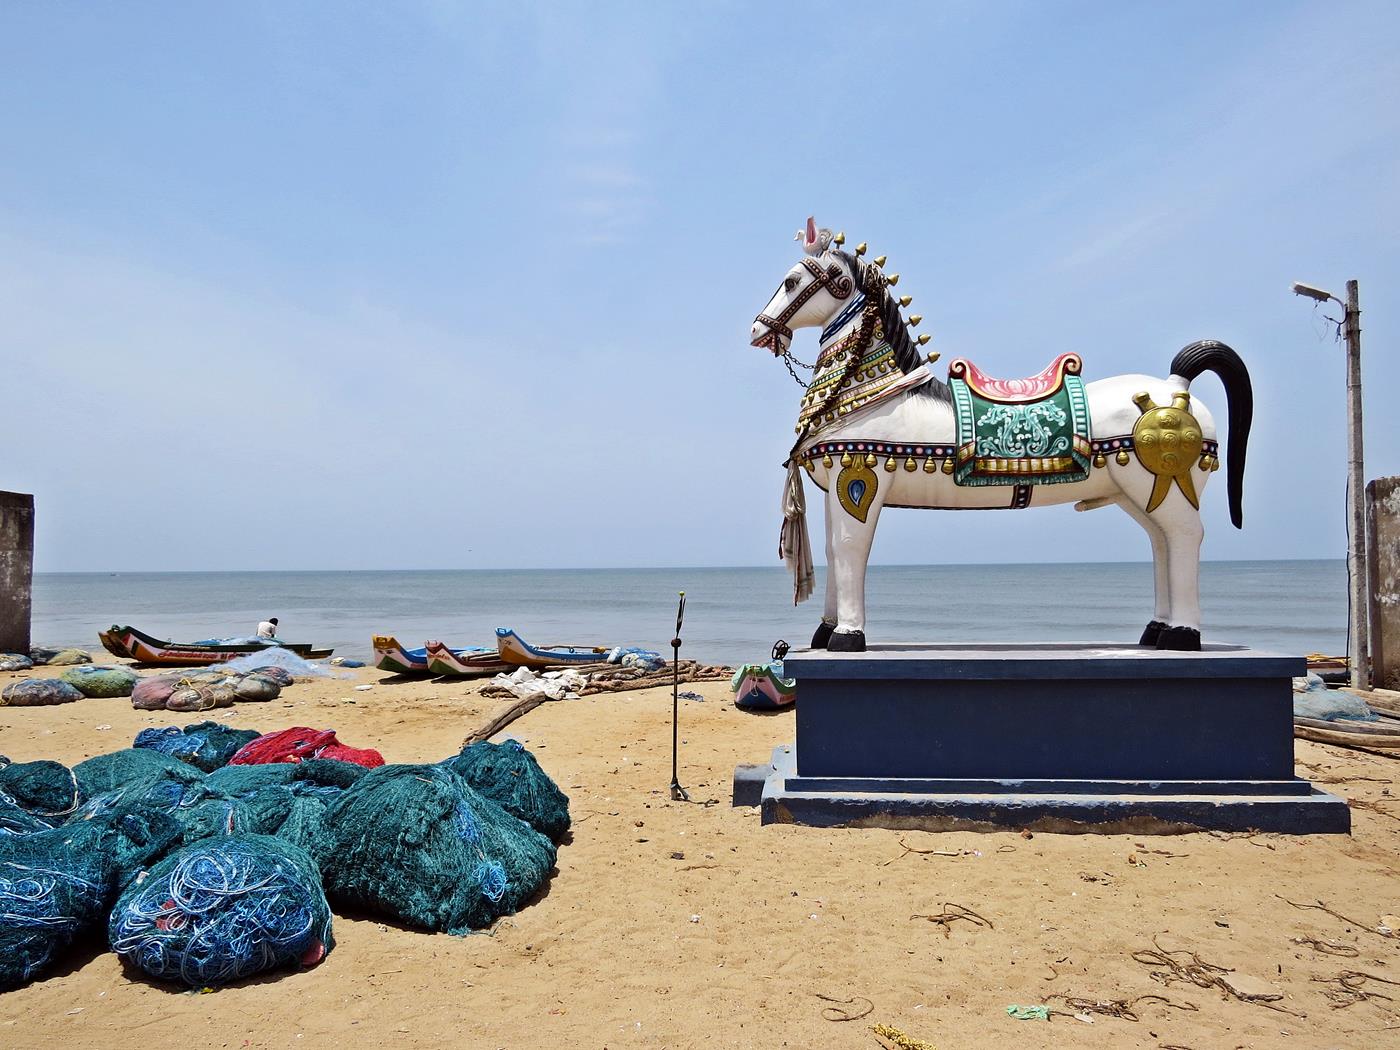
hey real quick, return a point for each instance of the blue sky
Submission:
(435, 285)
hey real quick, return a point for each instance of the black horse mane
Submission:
(906, 352)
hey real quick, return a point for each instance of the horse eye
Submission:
(791, 282)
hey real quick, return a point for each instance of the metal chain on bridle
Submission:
(874, 282)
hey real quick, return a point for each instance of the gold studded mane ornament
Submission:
(1168, 442)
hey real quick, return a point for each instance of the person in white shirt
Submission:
(268, 628)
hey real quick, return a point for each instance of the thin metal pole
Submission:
(1358, 641)
(678, 793)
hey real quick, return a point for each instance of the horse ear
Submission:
(811, 231)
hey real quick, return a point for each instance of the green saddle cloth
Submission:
(1044, 442)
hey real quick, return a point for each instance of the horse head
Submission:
(821, 283)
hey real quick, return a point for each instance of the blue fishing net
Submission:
(510, 776)
(417, 843)
(57, 884)
(204, 745)
(224, 909)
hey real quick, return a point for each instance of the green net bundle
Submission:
(417, 843)
(43, 789)
(101, 682)
(57, 884)
(510, 776)
(204, 745)
(103, 773)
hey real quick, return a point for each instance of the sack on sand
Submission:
(222, 910)
(151, 694)
(256, 689)
(69, 657)
(200, 697)
(15, 662)
(511, 777)
(417, 843)
(38, 692)
(101, 682)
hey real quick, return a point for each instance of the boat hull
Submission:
(760, 687)
(130, 644)
(516, 651)
(464, 663)
(390, 656)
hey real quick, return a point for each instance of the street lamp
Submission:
(1357, 636)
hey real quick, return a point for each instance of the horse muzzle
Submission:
(768, 338)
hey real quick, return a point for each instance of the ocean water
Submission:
(732, 615)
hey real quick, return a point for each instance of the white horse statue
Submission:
(877, 429)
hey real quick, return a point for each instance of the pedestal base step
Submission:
(1116, 807)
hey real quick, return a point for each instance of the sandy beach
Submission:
(687, 925)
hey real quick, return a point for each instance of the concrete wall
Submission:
(1383, 529)
(16, 570)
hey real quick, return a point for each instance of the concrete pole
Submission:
(16, 570)
(1358, 642)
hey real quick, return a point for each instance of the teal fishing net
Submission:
(204, 745)
(510, 776)
(417, 843)
(104, 773)
(44, 789)
(224, 909)
(55, 885)
(100, 682)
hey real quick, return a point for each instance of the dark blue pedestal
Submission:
(1063, 737)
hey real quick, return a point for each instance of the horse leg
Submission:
(822, 637)
(848, 553)
(1161, 581)
(1184, 532)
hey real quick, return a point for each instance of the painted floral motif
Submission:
(1017, 431)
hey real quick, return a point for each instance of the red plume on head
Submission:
(811, 231)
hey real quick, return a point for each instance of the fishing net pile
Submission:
(300, 743)
(204, 745)
(418, 843)
(56, 885)
(223, 909)
(203, 878)
(511, 777)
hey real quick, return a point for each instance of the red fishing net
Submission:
(298, 744)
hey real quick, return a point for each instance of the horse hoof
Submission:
(1180, 639)
(823, 635)
(844, 642)
(1152, 632)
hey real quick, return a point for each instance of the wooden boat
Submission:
(130, 644)
(762, 687)
(520, 653)
(389, 655)
(473, 662)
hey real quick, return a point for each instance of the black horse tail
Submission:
(1208, 355)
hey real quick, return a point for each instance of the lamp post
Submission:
(1357, 635)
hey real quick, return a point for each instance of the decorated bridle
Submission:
(832, 278)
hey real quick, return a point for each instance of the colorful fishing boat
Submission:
(520, 653)
(389, 655)
(130, 644)
(473, 662)
(762, 687)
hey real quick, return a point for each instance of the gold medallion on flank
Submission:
(1168, 442)
(856, 486)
